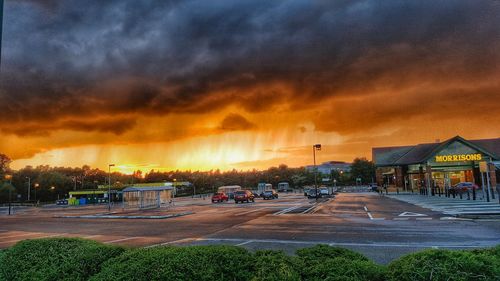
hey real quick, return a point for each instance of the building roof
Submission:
(406, 155)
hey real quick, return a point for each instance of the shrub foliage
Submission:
(55, 259)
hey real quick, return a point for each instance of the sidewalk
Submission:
(452, 206)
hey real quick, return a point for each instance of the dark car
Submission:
(62, 202)
(220, 197)
(313, 193)
(269, 194)
(243, 196)
(463, 187)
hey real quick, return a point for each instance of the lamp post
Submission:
(29, 187)
(9, 177)
(109, 186)
(36, 187)
(316, 147)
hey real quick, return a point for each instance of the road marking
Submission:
(287, 210)
(19, 235)
(400, 219)
(47, 236)
(248, 212)
(244, 243)
(423, 219)
(120, 240)
(306, 211)
(171, 242)
(279, 241)
(411, 214)
(366, 209)
(90, 236)
(369, 215)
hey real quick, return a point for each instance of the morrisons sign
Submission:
(459, 157)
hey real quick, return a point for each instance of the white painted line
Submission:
(244, 243)
(366, 209)
(279, 241)
(47, 236)
(411, 214)
(369, 215)
(423, 219)
(120, 240)
(287, 210)
(171, 242)
(90, 236)
(400, 219)
(20, 235)
(248, 212)
(314, 206)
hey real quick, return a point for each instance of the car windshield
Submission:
(268, 192)
(218, 194)
(240, 193)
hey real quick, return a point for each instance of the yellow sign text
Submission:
(459, 157)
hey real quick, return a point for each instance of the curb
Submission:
(125, 217)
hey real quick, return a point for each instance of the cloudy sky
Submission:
(242, 84)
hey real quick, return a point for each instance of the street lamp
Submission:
(109, 186)
(9, 177)
(316, 147)
(29, 187)
(36, 187)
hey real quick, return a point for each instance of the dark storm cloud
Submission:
(236, 122)
(72, 59)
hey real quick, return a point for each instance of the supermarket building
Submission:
(437, 165)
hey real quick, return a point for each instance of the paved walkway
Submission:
(452, 206)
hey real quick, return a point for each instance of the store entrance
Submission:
(447, 178)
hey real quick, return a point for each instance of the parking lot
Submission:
(380, 227)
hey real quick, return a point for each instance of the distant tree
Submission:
(4, 164)
(5, 188)
(364, 169)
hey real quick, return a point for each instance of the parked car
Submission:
(324, 192)
(243, 196)
(463, 187)
(312, 193)
(269, 194)
(220, 197)
(62, 202)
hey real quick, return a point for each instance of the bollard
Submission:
(460, 195)
(397, 190)
(468, 194)
(473, 193)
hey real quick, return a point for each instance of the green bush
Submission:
(446, 265)
(321, 252)
(2, 254)
(55, 259)
(180, 263)
(323, 262)
(344, 269)
(275, 265)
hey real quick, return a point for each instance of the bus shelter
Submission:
(146, 197)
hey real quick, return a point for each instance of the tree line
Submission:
(50, 183)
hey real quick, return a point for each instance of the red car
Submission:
(243, 196)
(464, 186)
(220, 197)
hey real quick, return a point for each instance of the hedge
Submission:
(446, 265)
(323, 262)
(55, 259)
(78, 259)
(275, 265)
(180, 263)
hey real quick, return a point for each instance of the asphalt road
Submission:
(379, 227)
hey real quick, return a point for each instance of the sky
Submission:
(203, 85)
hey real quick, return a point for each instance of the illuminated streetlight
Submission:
(316, 147)
(109, 186)
(9, 177)
(36, 187)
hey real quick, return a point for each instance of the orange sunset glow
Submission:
(242, 85)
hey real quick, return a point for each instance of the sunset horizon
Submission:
(241, 85)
